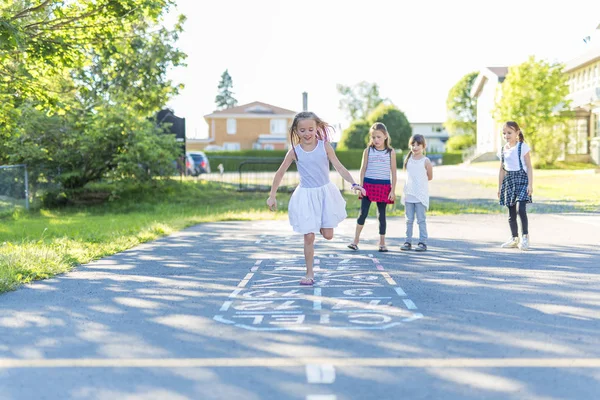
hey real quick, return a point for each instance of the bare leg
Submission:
(327, 233)
(359, 229)
(309, 253)
(382, 240)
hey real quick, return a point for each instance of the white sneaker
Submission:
(511, 244)
(524, 244)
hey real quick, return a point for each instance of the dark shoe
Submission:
(421, 247)
(406, 246)
(353, 246)
(383, 249)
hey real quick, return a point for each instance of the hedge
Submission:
(269, 160)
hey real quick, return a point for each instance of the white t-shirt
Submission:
(511, 156)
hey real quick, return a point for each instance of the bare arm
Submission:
(394, 170)
(429, 168)
(500, 178)
(287, 161)
(338, 165)
(529, 173)
(363, 166)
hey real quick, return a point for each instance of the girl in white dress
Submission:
(316, 206)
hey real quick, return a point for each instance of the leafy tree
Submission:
(462, 108)
(225, 97)
(460, 142)
(533, 94)
(355, 136)
(360, 100)
(395, 121)
(104, 70)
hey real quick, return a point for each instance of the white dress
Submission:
(316, 203)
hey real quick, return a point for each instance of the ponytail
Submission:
(406, 159)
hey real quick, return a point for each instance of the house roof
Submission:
(584, 59)
(498, 73)
(256, 109)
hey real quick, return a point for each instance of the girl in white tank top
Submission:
(419, 171)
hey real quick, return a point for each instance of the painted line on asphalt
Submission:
(295, 362)
(246, 279)
(409, 304)
(324, 373)
(317, 302)
(400, 292)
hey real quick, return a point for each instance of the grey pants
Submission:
(410, 209)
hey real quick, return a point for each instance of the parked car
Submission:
(197, 163)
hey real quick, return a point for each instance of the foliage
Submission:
(534, 94)
(81, 106)
(396, 122)
(462, 108)
(355, 136)
(359, 100)
(460, 142)
(225, 97)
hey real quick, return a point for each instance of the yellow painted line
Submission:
(293, 362)
(388, 278)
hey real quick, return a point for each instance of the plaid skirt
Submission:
(514, 188)
(377, 191)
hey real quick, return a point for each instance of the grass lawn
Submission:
(42, 243)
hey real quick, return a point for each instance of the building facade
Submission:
(255, 125)
(435, 135)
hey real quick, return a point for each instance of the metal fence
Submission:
(256, 175)
(14, 187)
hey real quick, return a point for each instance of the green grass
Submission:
(571, 187)
(42, 243)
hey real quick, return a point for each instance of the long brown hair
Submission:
(379, 126)
(419, 139)
(323, 128)
(515, 127)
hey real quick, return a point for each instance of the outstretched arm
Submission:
(341, 169)
(287, 161)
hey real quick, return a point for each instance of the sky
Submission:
(415, 50)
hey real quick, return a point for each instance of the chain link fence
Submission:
(14, 187)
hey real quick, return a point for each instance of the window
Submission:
(231, 126)
(278, 126)
(269, 147)
(231, 146)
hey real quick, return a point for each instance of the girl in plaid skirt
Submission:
(515, 183)
(378, 177)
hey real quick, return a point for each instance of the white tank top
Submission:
(417, 183)
(378, 164)
(313, 166)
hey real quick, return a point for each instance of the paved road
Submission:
(215, 312)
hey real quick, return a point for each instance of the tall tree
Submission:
(355, 136)
(88, 114)
(534, 94)
(359, 100)
(461, 107)
(225, 97)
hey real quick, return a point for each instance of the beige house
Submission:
(255, 125)
(584, 93)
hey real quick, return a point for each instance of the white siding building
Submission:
(435, 135)
(486, 89)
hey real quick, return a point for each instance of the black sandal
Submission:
(353, 246)
(383, 249)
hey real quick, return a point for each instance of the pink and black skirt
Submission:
(378, 190)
